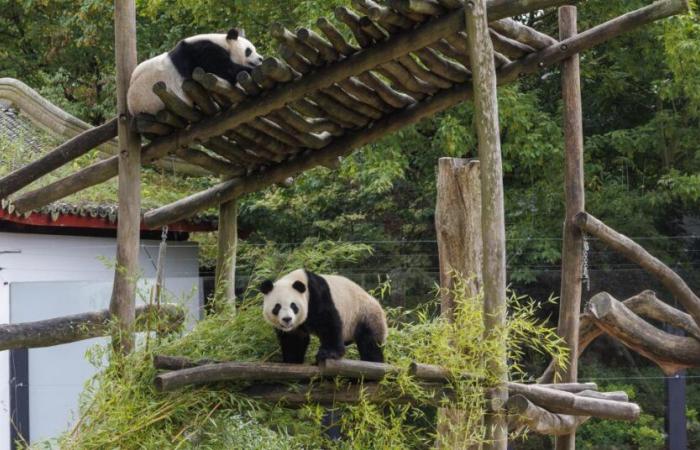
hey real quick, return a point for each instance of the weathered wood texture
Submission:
(78, 327)
(64, 153)
(523, 413)
(458, 227)
(636, 253)
(123, 300)
(492, 211)
(227, 244)
(574, 200)
(407, 116)
(670, 352)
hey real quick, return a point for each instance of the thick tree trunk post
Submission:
(226, 256)
(458, 226)
(458, 229)
(492, 214)
(572, 247)
(123, 300)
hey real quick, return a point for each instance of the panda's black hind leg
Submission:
(368, 344)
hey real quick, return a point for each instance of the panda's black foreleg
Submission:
(294, 345)
(368, 345)
(332, 345)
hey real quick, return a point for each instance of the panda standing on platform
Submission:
(222, 54)
(331, 307)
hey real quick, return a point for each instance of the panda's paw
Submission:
(328, 353)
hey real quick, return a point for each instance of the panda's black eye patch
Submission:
(295, 308)
(248, 51)
(276, 309)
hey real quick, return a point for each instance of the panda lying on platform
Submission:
(222, 54)
(332, 307)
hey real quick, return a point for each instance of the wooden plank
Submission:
(122, 304)
(574, 198)
(493, 269)
(227, 244)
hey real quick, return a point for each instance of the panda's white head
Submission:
(241, 49)
(286, 301)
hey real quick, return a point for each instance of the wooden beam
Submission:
(670, 352)
(122, 304)
(523, 413)
(227, 243)
(484, 81)
(636, 253)
(522, 33)
(574, 200)
(78, 327)
(64, 153)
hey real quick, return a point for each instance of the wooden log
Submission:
(410, 115)
(351, 103)
(458, 228)
(276, 70)
(175, 104)
(383, 15)
(352, 21)
(394, 98)
(636, 253)
(230, 151)
(443, 67)
(78, 327)
(422, 7)
(312, 110)
(168, 118)
(575, 388)
(218, 85)
(273, 130)
(250, 87)
(447, 49)
(339, 112)
(364, 94)
(234, 371)
(122, 304)
(214, 165)
(670, 352)
(574, 195)
(492, 215)
(263, 140)
(562, 402)
(305, 125)
(284, 36)
(199, 96)
(522, 33)
(523, 413)
(295, 61)
(369, 27)
(357, 369)
(250, 144)
(227, 244)
(335, 37)
(261, 79)
(429, 81)
(644, 304)
(146, 123)
(509, 47)
(618, 396)
(165, 362)
(324, 48)
(405, 80)
(64, 153)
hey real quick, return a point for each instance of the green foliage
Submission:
(120, 406)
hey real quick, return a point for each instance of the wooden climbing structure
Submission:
(328, 94)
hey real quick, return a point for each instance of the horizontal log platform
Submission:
(409, 115)
(636, 253)
(524, 413)
(78, 327)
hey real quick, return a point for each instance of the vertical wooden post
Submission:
(122, 305)
(492, 213)
(572, 246)
(225, 279)
(458, 229)
(458, 225)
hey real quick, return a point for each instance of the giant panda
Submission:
(223, 54)
(331, 307)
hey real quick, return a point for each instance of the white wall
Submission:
(45, 258)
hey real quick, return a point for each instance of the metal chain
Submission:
(585, 276)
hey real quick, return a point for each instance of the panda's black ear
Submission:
(233, 34)
(299, 286)
(266, 286)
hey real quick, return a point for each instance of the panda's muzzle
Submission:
(286, 320)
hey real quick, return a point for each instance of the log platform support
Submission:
(572, 246)
(227, 240)
(458, 229)
(484, 82)
(122, 305)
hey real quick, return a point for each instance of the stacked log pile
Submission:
(552, 409)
